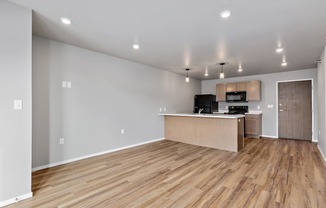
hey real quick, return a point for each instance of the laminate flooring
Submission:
(266, 173)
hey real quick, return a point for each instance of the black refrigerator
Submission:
(206, 102)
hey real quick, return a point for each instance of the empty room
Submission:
(132, 104)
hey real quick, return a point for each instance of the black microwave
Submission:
(236, 96)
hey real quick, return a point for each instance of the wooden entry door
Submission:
(294, 110)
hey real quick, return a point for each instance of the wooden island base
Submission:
(214, 132)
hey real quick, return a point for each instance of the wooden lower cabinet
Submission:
(253, 125)
(219, 133)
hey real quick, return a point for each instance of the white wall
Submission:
(321, 103)
(15, 83)
(108, 94)
(269, 83)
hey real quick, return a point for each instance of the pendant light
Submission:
(187, 78)
(206, 72)
(222, 71)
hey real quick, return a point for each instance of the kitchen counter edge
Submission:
(202, 115)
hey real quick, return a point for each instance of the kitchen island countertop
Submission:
(204, 115)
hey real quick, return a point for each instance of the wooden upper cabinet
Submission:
(220, 92)
(253, 90)
(241, 86)
(236, 87)
(231, 87)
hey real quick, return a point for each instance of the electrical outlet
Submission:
(258, 107)
(270, 106)
(61, 140)
(122, 131)
(164, 109)
(68, 84)
(226, 107)
(160, 109)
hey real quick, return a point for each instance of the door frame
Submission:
(312, 105)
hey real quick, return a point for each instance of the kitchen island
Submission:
(219, 131)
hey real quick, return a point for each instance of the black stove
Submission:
(237, 110)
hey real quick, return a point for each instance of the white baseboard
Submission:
(321, 152)
(315, 141)
(16, 199)
(268, 136)
(93, 155)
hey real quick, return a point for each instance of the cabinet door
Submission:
(241, 86)
(231, 87)
(253, 90)
(220, 92)
(252, 126)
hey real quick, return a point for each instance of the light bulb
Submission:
(222, 75)
(225, 14)
(65, 20)
(136, 46)
(187, 79)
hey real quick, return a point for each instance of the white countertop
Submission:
(250, 112)
(254, 112)
(203, 115)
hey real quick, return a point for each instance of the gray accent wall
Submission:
(15, 84)
(321, 103)
(107, 94)
(269, 83)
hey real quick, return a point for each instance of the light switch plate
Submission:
(18, 105)
(64, 84)
(164, 109)
(68, 84)
(258, 107)
(62, 141)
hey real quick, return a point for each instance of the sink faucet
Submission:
(200, 110)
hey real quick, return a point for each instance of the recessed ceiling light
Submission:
(135, 46)
(284, 63)
(225, 14)
(65, 20)
(240, 69)
(279, 50)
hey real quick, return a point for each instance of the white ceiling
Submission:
(178, 34)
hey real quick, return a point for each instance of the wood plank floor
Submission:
(266, 173)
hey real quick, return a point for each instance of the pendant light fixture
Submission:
(187, 78)
(222, 71)
(206, 72)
